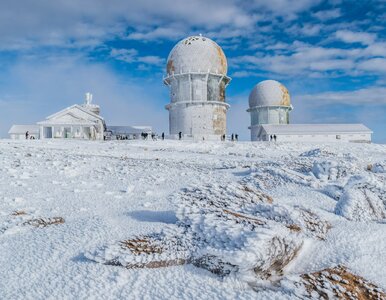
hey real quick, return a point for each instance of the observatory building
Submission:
(197, 78)
(270, 106)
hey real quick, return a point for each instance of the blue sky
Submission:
(330, 54)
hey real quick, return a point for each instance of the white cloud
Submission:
(325, 15)
(70, 23)
(131, 56)
(377, 65)
(355, 37)
(127, 55)
(372, 95)
(32, 91)
(285, 8)
(169, 33)
(303, 59)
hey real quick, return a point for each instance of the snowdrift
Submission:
(227, 229)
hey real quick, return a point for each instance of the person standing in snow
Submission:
(180, 135)
(232, 137)
(274, 137)
(26, 135)
(163, 135)
(236, 137)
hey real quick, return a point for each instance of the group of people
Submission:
(146, 135)
(272, 137)
(27, 136)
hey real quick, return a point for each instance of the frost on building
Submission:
(76, 121)
(127, 132)
(269, 108)
(197, 78)
(19, 132)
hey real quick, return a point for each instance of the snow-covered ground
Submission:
(110, 191)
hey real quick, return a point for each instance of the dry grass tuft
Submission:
(150, 246)
(214, 265)
(314, 224)
(44, 222)
(241, 218)
(19, 213)
(149, 265)
(294, 227)
(340, 283)
(143, 245)
(258, 195)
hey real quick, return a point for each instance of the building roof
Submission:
(71, 116)
(22, 129)
(315, 128)
(129, 129)
(196, 54)
(269, 93)
(75, 106)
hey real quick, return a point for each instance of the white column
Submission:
(41, 132)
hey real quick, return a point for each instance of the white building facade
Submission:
(22, 132)
(128, 132)
(197, 79)
(269, 108)
(76, 121)
(357, 133)
(73, 122)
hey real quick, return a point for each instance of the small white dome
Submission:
(269, 93)
(196, 54)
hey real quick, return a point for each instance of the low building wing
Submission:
(315, 128)
(312, 133)
(22, 129)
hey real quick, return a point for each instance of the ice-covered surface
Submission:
(64, 202)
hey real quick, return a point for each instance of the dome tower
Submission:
(269, 103)
(197, 78)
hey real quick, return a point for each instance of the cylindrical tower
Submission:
(196, 76)
(269, 103)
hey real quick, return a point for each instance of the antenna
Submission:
(88, 98)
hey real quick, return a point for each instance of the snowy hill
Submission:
(183, 220)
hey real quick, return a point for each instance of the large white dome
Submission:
(269, 93)
(196, 54)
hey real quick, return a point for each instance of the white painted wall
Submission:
(21, 136)
(197, 107)
(315, 137)
(197, 120)
(269, 115)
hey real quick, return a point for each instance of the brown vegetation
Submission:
(342, 284)
(18, 213)
(44, 222)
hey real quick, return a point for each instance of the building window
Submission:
(338, 137)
